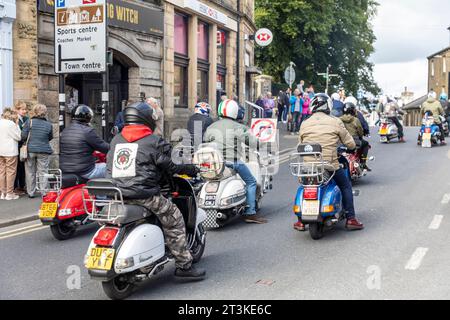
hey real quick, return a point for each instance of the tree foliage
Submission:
(314, 34)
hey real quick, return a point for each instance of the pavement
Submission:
(19, 211)
(402, 253)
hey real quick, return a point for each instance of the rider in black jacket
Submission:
(78, 143)
(137, 162)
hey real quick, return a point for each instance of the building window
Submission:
(221, 47)
(202, 86)
(203, 41)
(181, 34)
(432, 68)
(181, 61)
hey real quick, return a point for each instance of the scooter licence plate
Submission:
(100, 259)
(48, 210)
(311, 209)
(383, 131)
(426, 136)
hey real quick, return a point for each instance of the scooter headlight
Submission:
(212, 187)
(124, 263)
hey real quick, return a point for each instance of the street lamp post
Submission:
(328, 76)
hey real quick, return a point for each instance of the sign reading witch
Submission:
(124, 14)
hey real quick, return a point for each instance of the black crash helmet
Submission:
(139, 113)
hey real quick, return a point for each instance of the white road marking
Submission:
(20, 231)
(436, 223)
(446, 199)
(416, 259)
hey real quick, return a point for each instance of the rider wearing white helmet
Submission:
(229, 135)
(199, 122)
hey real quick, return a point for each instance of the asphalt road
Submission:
(402, 254)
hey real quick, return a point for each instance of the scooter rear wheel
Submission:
(117, 289)
(63, 231)
(316, 230)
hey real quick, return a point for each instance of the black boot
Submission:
(191, 274)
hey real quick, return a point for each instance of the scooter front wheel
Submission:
(63, 231)
(199, 246)
(118, 288)
(316, 230)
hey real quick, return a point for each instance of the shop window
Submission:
(181, 34)
(203, 41)
(181, 85)
(202, 86)
(221, 47)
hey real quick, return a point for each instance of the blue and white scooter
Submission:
(319, 200)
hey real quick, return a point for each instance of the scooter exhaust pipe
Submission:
(221, 216)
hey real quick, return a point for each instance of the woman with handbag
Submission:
(22, 111)
(37, 134)
(9, 140)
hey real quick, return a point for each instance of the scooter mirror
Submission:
(372, 159)
(356, 193)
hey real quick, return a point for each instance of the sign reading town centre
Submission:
(80, 36)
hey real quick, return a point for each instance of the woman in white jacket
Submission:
(9, 139)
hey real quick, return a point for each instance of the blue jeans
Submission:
(345, 185)
(99, 172)
(250, 184)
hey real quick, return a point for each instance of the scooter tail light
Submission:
(310, 194)
(50, 197)
(106, 236)
(427, 130)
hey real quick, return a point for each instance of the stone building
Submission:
(207, 50)
(439, 71)
(178, 51)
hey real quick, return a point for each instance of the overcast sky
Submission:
(408, 31)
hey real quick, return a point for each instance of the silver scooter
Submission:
(223, 196)
(130, 246)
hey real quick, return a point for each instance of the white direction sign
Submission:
(265, 129)
(80, 36)
(263, 37)
(289, 75)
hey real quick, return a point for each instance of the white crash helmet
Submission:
(321, 103)
(351, 100)
(228, 109)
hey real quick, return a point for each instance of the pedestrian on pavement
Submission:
(269, 105)
(119, 123)
(38, 131)
(311, 92)
(287, 104)
(9, 151)
(306, 113)
(281, 105)
(296, 111)
(301, 86)
(338, 105)
(22, 111)
(158, 116)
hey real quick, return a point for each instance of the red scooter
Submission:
(62, 206)
(354, 162)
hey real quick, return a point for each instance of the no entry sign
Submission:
(265, 129)
(263, 37)
(80, 36)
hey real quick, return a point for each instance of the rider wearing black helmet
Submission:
(330, 133)
(355, 128)
(136, 163)
(77, 145)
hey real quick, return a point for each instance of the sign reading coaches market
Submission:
(126, 15)
(80, 36)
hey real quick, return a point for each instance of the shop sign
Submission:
(207, 11)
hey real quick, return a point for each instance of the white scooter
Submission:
(223, 196)
(130, 246)
(388, 130)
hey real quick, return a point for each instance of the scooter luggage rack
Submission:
(102, 201)
(313, 170)
(210, 162)
(49, 182)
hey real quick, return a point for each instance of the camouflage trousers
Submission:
(173, 227)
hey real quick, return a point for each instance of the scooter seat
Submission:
(71, 180)
(126, 214)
